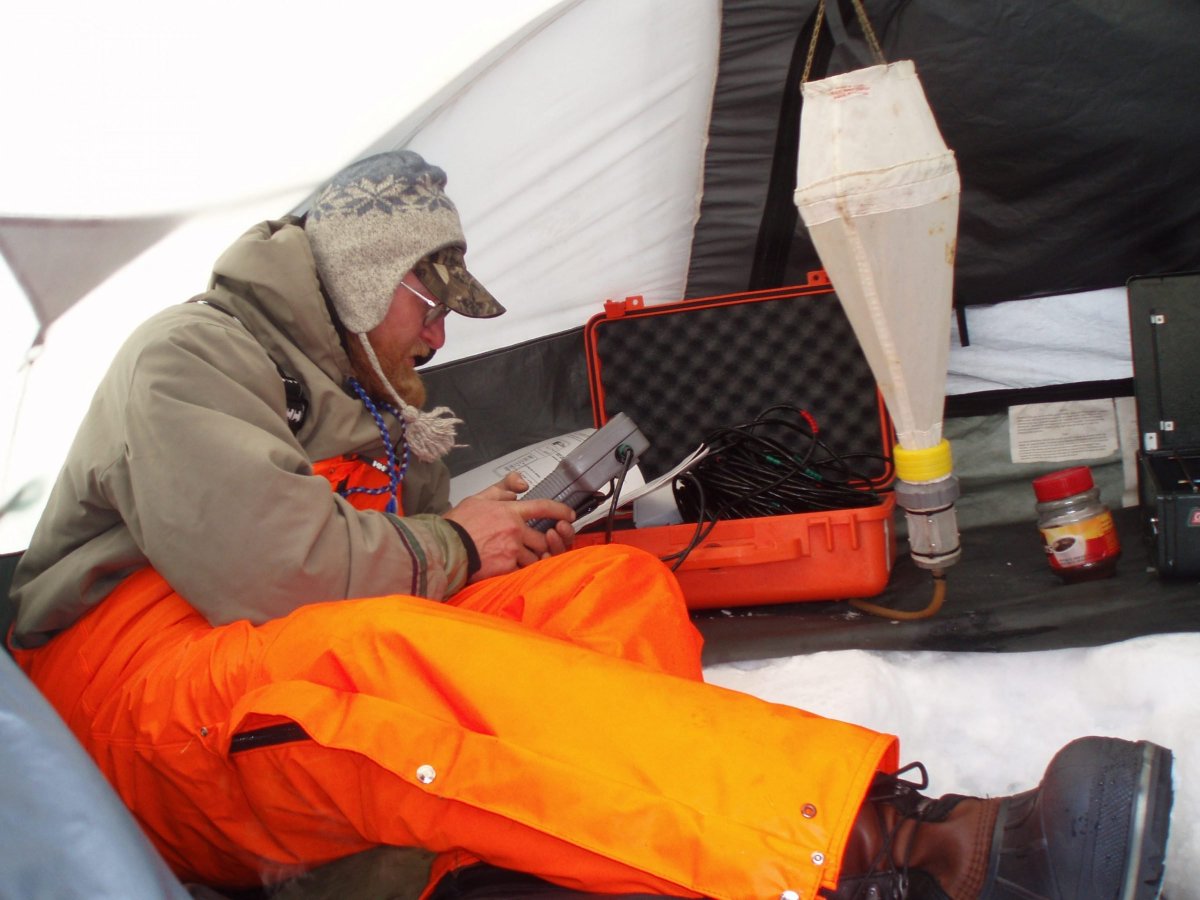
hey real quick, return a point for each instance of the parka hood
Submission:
(268, 279)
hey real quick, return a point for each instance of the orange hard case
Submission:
(670, 358)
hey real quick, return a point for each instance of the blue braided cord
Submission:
(399, 416)
(395, 472)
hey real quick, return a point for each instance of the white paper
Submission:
(1061, 432)
(534, 462)
(538, 460)
(630, 493)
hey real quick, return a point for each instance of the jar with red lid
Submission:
(1077, 530)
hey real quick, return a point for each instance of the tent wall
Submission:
(615, 147)
(1073, 140)
(576, 166)
(513, 397)
(1069, 183)
(575, 163)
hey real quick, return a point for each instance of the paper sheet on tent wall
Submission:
(59, 261)
(878, 190)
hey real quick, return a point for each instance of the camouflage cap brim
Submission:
(444, 273)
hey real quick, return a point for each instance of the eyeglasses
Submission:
(437, 310)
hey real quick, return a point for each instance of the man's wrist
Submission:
(473, 561)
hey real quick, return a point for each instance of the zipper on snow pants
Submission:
(268, 736)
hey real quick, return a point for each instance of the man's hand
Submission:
(496, 521)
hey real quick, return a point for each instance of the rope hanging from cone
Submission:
(869, 32)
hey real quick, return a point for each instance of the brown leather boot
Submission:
(1094, 829)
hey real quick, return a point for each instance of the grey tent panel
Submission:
(513, 397)
(66, 834)
(59, 261)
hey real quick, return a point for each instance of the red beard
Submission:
(397, 366)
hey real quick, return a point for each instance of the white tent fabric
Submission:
(1040, 341)
(45, 259)
(575, 164)
(575, 189)
(133, 110)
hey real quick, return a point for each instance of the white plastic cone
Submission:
(878, 190)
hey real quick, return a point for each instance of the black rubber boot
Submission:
(1094, 829)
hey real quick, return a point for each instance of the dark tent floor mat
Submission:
(1001, 596)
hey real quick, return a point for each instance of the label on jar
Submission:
(1082, 543)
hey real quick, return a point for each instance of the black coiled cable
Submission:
(773, 465)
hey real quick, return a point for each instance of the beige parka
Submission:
(185, 461)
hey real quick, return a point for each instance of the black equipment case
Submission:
(690, 370)
(1164, 328)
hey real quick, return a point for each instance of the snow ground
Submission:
(988, 723)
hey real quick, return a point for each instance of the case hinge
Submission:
(614, 309)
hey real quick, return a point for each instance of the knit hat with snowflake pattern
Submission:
(373, 223)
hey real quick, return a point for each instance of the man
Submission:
(250, 602)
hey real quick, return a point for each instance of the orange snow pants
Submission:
(552, 721)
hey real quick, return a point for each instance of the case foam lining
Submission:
(682, 373)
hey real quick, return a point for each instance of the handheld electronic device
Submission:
(578, 478)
